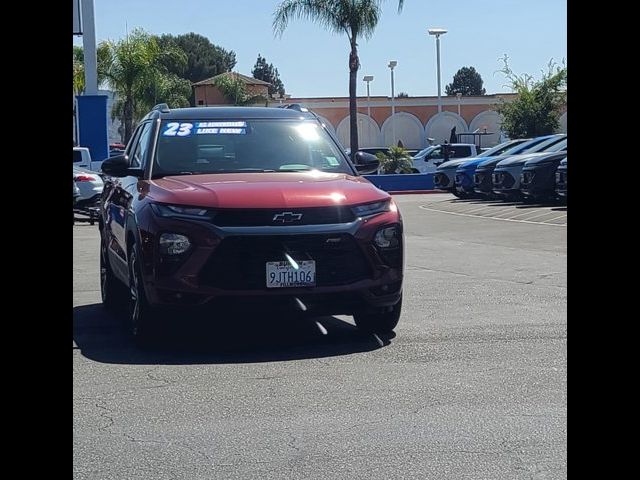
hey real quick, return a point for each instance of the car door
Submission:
(431, 161)
(129, 185)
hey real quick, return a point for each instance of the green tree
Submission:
(235, 90)
(355, 18)
(266, 72)
(402, 95)
(395, 160)
(537, 107)
(204, 59)
(78, 70)
(134, 68)
(467, 82)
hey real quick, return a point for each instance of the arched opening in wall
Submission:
(439, 127)
(491, 121)
(368, 132)
(408, 130)
(563, 123)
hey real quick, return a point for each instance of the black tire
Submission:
(459, 194)
(141, 314)
(383, 322)
(113, 292)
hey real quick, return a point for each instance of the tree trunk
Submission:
(354, 65)
(128, 119)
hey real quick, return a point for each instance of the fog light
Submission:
(387, 237)
(173, 244)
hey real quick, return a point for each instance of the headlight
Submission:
(372, 208)
(173, 244)
(388, 237)
(177, 211)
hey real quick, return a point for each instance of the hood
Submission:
(545, 160)
(473, 163)
(514, 160)
(264, 190)
(455, 163)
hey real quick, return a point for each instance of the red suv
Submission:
(260, 207)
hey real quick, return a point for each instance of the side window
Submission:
(77, 156)
(137, 160)
(133, 141)
(435, 154)
(461, 152)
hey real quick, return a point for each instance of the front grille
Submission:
(239, 262)
(440, 180)
(507, 180)
(503, 180)
(265, 217)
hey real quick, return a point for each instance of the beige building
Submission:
(416, 122)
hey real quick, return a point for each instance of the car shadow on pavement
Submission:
(102, 337)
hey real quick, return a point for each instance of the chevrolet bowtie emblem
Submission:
(287, 217)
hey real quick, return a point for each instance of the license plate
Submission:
(283, 274)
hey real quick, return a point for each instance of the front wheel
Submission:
(140, 312)
(112, 291)
(382, 322)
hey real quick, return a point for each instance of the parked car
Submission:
(482, 178)
(561, 179)
(82, 159)
(464, 186)
(538, 177)
(428, 159)
(374, 150)
(248, 208)
(444, 177)
(506, 175)
(89, 185)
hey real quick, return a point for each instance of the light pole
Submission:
(368, 79)
(459, 96)
(392, 65)
(437, 32)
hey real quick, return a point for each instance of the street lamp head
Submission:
(458, 95)
(392, 64)
(437, 31)
(368, 78)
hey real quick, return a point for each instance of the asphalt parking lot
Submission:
(473, 384)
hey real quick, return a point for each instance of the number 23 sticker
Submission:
(177, 129)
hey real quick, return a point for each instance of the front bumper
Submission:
(505, 182)
(444, 179)
(464, 181)
(561, 182)
(482, 182)
(538, 182)
(227, 267)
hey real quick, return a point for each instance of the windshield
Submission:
(230, 146)
(423, 153)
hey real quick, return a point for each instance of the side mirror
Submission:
(366, 163)
(437, 163)
(118, 166)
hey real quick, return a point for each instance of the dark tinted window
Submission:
(77, 156)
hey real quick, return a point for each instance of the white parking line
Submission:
(424, 207)
(542, 215)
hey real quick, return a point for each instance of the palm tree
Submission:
(356, 18)
(133, 67)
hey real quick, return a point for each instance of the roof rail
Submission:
(295, 106)
(163, 107)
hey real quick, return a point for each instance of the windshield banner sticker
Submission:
(175, 129)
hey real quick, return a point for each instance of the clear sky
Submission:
(313, 62)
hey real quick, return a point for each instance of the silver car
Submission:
(89, 185)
